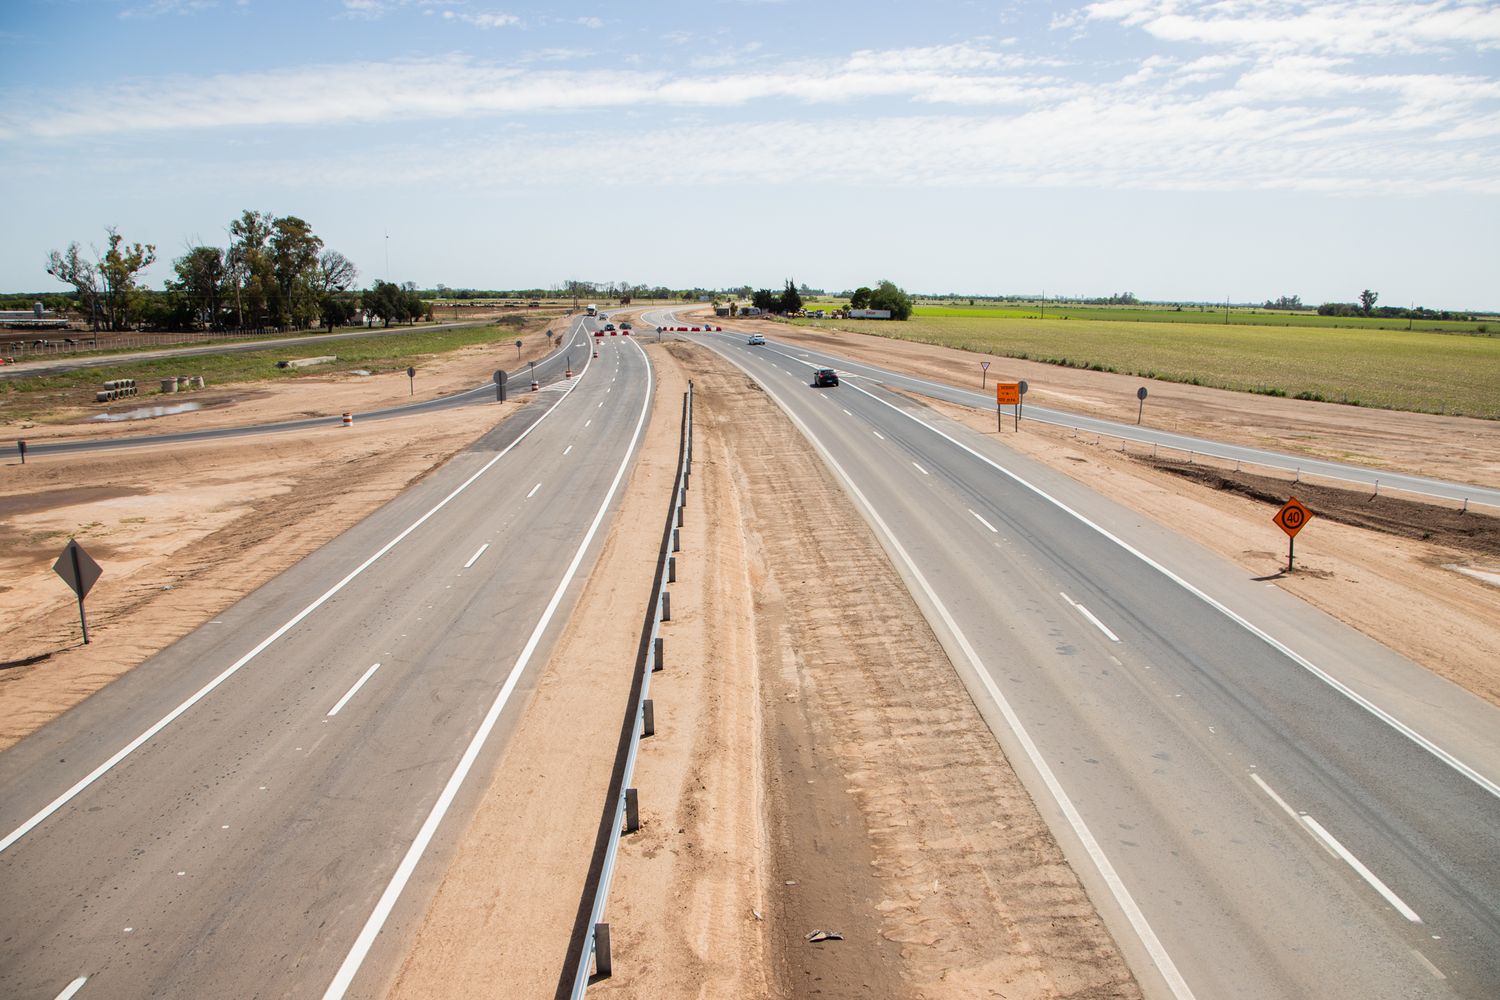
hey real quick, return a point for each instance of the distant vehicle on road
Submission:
(610, 327)
(825, 377)
(626, 326)
(756, 340)
(593, 310)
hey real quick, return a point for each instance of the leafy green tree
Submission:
(202, 276)
(860, 299)
(887, 296)
(1367, 300)
(294, 263)
(336, 309)
(72, 268)
(791, 300)
(765, 300)
(252, 276)
(385, 301)
(118, 270)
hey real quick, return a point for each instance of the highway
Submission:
(1420, 485)
(259, 809)
(571, 348)
(1263, 802)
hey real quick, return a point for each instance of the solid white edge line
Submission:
(354, 690)
(72, 988)
(877, 434)
(1097, 623)
(1364, 873)
(345, 976)
(533, 491)
(260, 647)
(1164, 964)
(1234, 616)
(475, 557)
(921, 470)
(1296, 817)
(567, 449)
(982, 521)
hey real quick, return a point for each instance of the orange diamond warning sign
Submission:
(1292, 516)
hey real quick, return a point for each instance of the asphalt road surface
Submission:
(1263, 802)
(1420, 485)
(572, 348)
(257, 811)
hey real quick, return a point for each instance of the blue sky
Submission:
(1181, 150)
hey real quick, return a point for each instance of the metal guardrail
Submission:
(589, 947)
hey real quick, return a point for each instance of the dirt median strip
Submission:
(887, 813)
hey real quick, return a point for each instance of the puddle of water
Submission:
(147, 412)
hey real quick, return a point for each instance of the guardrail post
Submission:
(666, 606)
(659, 660)
(632, 811)
(603, 967)
(676, 543)
(679, 515)
(648, 718)
(671, 568)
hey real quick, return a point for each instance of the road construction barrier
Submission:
(535, 385)
(590, 943)
(348, 420)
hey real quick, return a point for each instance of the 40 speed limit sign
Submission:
(1292, 517)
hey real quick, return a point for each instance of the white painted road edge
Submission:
(73, 988)
(475, 557)
(387, 902)
(1158, 952)
(260, 647)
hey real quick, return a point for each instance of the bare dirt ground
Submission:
(777, 797)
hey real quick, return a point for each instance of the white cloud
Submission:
(1343, 26)
(590, 22)
(482, 20)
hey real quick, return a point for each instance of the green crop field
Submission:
(1392, 369)
(1238, 316)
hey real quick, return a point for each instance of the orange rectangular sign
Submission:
(1007, 394)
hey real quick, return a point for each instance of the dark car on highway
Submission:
(825, 376)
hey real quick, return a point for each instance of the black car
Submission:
(825, 376)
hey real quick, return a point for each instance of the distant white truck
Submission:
(593, 310)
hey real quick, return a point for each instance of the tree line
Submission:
(276, 273)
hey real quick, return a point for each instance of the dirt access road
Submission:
(779, 797)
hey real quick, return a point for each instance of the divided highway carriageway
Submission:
(1262, 801)
(258, 810)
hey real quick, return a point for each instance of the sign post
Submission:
(79, 572)
(1291, 518)
(411, 378)
(500, 378)
(1007, 394)
(1141, 395)
(518, 348)
(1021, 387)
(21, 447)
(984, 371)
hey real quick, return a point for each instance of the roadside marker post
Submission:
(1292, 518)
(500, 379)
(411, 377)
(518, 348)
(1141, 395)
(21, 447)
(79, 572)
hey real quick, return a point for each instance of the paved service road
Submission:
(1263, 802)
(571, 349)
(1421, 485)
(278, 774)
